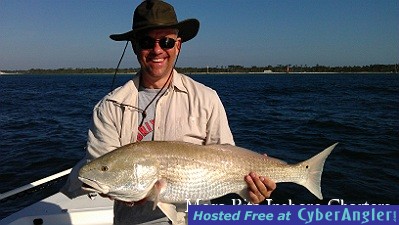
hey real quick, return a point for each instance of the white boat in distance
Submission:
(59, 209)
(4, 73)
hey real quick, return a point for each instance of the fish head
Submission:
(120, 177)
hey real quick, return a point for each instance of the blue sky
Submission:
(74, 33)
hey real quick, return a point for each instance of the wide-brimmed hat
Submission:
(151, 14)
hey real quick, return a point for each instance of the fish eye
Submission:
(104, 168)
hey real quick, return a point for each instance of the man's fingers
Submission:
(251, 184)
(254, 198)
(269, 184)
(259, 187)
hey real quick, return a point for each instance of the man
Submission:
(160, 104)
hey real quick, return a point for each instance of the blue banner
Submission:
(292, 214)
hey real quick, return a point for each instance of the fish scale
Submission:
(224, 173)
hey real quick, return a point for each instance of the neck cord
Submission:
(144, 111)
(117, 67)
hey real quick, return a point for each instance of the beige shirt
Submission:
(189, 111)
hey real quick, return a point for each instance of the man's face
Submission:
(157, 62)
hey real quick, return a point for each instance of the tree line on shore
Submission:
(377, 68)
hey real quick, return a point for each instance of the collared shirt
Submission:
(188, 111)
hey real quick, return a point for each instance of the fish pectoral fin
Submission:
(157, 189)
(177, 218)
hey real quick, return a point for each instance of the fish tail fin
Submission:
(315, 166)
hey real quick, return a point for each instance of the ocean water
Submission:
(44, 121)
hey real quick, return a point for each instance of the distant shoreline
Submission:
(210, 74)
(293, 73)
(231, 69)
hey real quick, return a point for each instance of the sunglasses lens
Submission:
(149, 43)
(146, 43)
(167, 43)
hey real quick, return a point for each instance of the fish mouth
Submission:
(92, 185)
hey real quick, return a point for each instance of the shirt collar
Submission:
(122, 95)
(177, 81)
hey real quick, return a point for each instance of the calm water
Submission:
(44, 122)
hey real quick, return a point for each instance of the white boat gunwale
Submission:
(59, 209)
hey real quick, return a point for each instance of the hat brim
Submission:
(188, 29)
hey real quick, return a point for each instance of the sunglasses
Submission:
(149, 43)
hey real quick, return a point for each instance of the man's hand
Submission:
(259, 187)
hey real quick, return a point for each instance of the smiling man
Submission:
(156, 52)
(159, 104)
